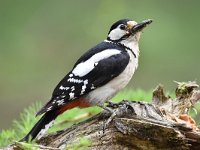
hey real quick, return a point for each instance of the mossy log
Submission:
(162, 124)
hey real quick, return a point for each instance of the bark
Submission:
(162, 124)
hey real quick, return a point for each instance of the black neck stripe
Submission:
(116, 43)
(128, 49)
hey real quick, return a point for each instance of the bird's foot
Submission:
(112, 104)
(113, 113)
(113, 110)
(109, 112)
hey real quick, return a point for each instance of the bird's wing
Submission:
(87, 75)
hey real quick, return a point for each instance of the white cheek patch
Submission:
(117, 34)
(85, 67)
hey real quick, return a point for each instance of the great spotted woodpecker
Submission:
(97, 75)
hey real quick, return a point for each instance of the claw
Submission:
(112, 111)
(108, 109)
(113, 114)
(112, 104)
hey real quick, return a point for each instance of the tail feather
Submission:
(41, 126)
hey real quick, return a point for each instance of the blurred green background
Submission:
(41, 40)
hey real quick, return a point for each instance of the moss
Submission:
(82, 144)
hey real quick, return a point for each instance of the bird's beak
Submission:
(139, 26)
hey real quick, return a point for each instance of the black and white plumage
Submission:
(97, 75)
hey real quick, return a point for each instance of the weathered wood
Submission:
(136, 125)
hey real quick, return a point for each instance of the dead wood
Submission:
(162, 124)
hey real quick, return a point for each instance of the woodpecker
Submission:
(96, 77)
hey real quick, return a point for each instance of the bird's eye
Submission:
(122, 27)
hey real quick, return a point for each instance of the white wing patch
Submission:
(71, 95)
(92, 87)
(72, 88)
(85, 67)
(75, 80)
(49, 108)
(71, 75)
(60, 102)
(63, 88)
(84, 87)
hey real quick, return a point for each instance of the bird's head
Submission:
(126, 30)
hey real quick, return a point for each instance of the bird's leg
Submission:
(112, 113)
(111, 104)
(108, 109)
(112, 116)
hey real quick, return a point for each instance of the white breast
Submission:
(106, 92)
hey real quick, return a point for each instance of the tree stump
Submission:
(162, 124)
